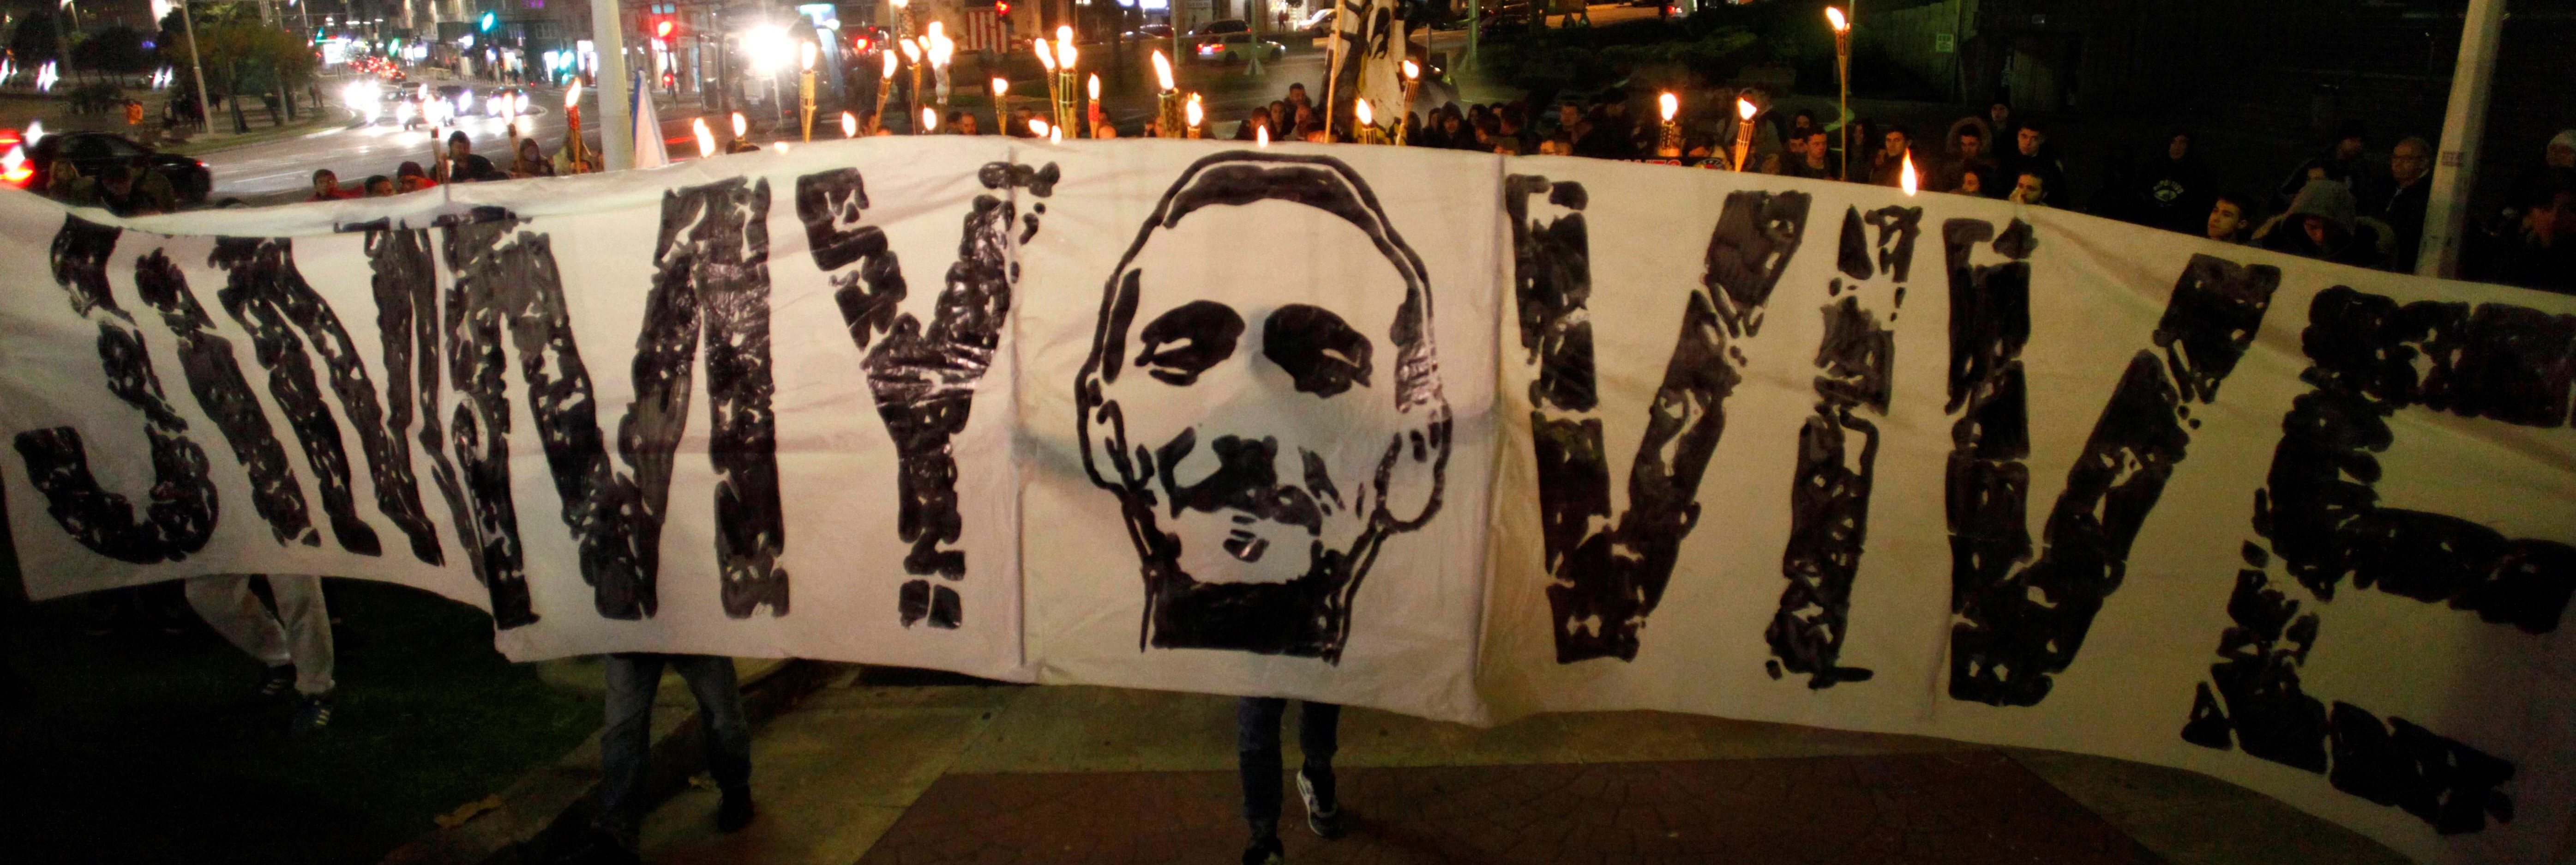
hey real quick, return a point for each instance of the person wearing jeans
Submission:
(1256, 721)
(633, 679)
(295, 643)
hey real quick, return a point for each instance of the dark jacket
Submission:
(1954, 171)
(2166, 193)
(2402, 209)
(472, 168)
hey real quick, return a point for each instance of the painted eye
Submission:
(1180, 344)
(1317, 348)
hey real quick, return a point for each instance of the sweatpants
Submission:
(303, 638)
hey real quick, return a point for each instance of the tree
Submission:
(116, 49)
(39, 36)
(242, 56)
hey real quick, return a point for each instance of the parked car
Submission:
(93, 152)
(1237, 47)
(1223, 26)
(1506, 20)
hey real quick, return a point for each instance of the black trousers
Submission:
(1256, 721)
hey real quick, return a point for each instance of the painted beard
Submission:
(1299, 613)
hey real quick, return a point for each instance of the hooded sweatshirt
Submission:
(2347, 242)
(1988, 169)
(2164, 192)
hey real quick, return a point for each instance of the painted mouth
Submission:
(1245, 546)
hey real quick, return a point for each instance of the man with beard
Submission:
(1265, 431)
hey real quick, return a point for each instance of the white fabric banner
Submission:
(1455, 435)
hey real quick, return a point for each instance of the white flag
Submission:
(648, 128)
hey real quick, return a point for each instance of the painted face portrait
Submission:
(1264, 428)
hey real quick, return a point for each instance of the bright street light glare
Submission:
(768, 47)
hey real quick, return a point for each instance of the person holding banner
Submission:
(633, 679)
(1264, 553)
(295, 642)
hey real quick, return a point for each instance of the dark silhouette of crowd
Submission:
(2348, 203)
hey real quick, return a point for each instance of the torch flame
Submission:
(1064, 44)
(1046, 55)
(1744, 108)
(849, 125)
(1907, 177)
(805, 55)
(1001, 88)
(1095, 87)
(929, 119)
(1367, 116)
(1163, 70)
(1412, 70)
(740, 125)
(1065, 54)
(572, 95)
(1056, 135)
(1039, 127)
(936, 31)
(941, 47)
(1835, 17)
(1261, 136)
(706, 137)
(889, 65)
(1195, 111)
(1672, 105)
(911, 53)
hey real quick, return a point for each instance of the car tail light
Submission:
(1207, 49)
(14, 169)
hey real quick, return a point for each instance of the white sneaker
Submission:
(1327, 822)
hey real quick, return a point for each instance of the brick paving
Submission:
(1976, 806)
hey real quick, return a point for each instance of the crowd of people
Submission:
(458, 163)
(2346, 204)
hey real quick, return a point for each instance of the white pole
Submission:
(616, 119)
(2464, 125)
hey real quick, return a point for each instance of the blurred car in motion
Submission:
(92, 153)
(1236, 47)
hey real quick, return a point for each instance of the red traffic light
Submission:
(1001, 8)
(662, 29)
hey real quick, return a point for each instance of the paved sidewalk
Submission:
(940, 774)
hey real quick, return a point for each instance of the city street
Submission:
(280, 171)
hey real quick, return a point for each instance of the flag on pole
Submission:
(983, 31)
(1368, 51)
(648, 128)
